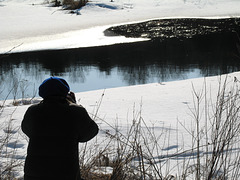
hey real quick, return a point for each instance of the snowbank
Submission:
(32, 25)
(165, 105)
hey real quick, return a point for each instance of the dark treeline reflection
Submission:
(134, 63)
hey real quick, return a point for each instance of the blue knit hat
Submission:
(53, 86)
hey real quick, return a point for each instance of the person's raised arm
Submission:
(89, 128)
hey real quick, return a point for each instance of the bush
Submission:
(71, 4)
(137, 153)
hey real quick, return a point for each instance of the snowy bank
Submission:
(30, 25)
(164, 107)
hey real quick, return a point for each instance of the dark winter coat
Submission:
(54, 128)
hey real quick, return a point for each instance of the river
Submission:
(119, 65)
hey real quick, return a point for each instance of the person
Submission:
(55, 126)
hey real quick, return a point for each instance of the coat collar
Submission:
(55, 99)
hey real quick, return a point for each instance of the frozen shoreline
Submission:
(40, 27)
(92, 37)
(162, 106)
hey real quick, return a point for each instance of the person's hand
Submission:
(71, 97)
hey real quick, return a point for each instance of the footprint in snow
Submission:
(14, 145)
(170, 147)
(10, 131)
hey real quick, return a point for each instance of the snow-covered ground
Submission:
(33, 25)
(166, 108)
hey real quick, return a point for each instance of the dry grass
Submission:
(214, 153)
(136, 152)
(9, 161)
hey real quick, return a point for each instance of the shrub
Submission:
(71, 4)
(136, 152)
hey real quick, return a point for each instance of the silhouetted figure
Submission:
(55, 126)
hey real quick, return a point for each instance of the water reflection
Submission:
(120, 65)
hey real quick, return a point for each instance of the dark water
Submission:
(121, 65)
(180, 28)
